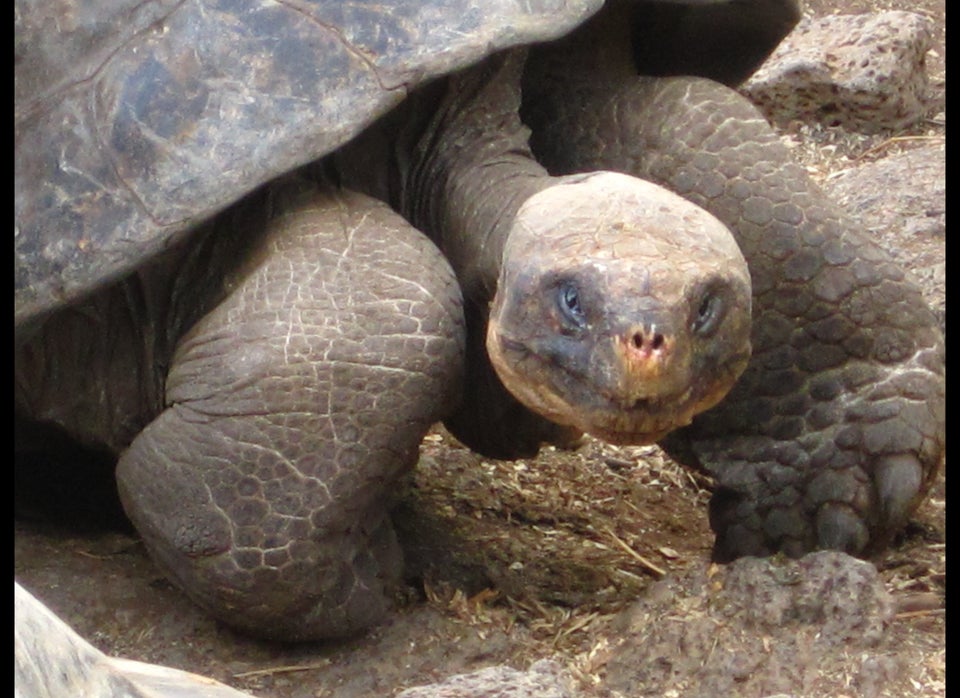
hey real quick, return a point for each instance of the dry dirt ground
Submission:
(528, 559)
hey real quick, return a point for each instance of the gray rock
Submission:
(903, 198)
(544, 679)
(841, 596)
(905, 190)
(756, 627)
(864, 72)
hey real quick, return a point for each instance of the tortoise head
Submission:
(621, 309)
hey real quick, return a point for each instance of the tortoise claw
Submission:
(899, 480)
(840, 528)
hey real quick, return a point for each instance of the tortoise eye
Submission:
(708, 314)
(568, 300)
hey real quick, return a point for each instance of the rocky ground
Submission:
(596, 559)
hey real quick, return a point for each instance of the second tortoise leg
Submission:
(291, 410)
(836, 430)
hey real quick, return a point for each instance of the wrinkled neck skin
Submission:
(455, 161)
(552, 264)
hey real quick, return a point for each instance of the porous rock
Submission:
(863, 72)
(755, 627)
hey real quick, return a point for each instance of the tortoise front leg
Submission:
(291, 409)
(836, 430)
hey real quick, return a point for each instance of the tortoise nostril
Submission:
(639, 341)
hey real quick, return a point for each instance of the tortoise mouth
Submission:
(567, 395)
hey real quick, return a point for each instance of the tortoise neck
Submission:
(455, 161)
(472, 170)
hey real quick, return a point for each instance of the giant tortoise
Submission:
(262, 247)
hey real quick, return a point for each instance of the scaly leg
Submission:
(291, 409)
(836, 430)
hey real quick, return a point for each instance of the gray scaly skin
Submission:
(402, 160)
(264, 458)
(282, 370)
(633, 359)
(836, 430)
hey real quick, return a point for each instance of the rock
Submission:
(841, 596)
(544, 679)
(756, 627)
(864, 72)
(904, 197)
(906, 190)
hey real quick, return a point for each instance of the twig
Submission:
(894, 139)
(658, 572)
(283, 669)
(920, 614)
